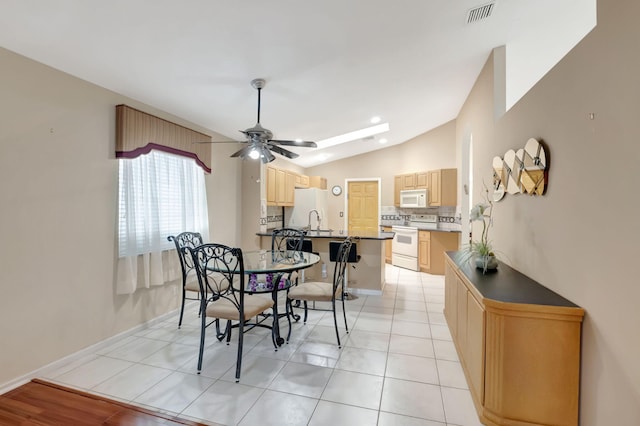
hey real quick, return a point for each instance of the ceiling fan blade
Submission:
(219, 142)
(283, 152)
(306, 144)
(266, 156)
(243, 152)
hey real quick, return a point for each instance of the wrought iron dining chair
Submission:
(283, 239)
(182, 240)
(217, 266)
(313, 291)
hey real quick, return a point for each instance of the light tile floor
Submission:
(397, 366)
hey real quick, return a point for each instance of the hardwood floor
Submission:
(42, 403)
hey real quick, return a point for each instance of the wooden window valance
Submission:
(138, 133)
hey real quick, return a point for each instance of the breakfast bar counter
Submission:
(367, 276)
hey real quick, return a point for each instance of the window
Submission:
(160, 194)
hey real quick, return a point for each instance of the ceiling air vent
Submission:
(479, 13)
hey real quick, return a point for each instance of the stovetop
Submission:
(424, 221)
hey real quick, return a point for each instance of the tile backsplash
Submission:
(448, 218)
(274, 217)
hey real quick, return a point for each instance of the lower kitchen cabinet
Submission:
(432, 246)
(424, 251)
(388, 244)
(518, 344)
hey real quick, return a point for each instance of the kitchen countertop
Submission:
(337, 235)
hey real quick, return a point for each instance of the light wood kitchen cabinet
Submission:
(402, 182)
(518, 344)
(318, 182)
(271, 185)
(289, 188)
(397, 187)
(422, 180)
(281, 178)
(409, 181)
(424, 250)
(302, 181)
(443, 187)
(432, 246)
(387, 245)
(280, 186)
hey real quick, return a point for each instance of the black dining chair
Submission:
(283, 239)
(182, 240)
(217, 266)
(313, 291)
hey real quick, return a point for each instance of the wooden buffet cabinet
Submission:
(518, 343)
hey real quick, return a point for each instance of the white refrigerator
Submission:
(306, 200)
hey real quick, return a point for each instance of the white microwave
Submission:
(414, 198)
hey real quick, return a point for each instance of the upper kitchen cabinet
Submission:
(443, 187)
(270, 174)
(280, 186)
(405, 181)
(439, 194)
(318, 182)
(409, 181)
(422, 180)
(302, 181)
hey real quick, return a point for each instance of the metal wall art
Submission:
(523, 171)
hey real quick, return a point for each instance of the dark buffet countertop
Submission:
(336, 235)
(508, 285)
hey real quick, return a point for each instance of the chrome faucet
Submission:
(317, 219)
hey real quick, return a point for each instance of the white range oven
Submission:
(404, 248)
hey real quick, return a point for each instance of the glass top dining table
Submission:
(268, 261)
(268, 271)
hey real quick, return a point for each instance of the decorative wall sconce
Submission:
(523, 171)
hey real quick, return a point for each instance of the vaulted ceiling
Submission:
(330, 66)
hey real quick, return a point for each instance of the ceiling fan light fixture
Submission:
(254, 154)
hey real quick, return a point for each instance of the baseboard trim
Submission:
(44, 370)
(365, 292)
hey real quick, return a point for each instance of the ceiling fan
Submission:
(259, 140)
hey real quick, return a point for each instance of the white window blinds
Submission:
(160, 194)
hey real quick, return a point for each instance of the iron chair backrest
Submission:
(182, 240)
(217, 266)
(283, 239)
(287, 239)
(341, 265)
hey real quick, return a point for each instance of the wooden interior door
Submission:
(363, 206)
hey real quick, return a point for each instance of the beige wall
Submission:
(58, 188)
(578, 239)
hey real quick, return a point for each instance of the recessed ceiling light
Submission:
(375, 120)
(352, 136)
(383, 140)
